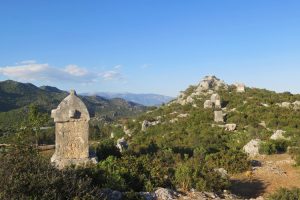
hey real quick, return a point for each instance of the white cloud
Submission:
(117, 66)
(110, 75)
(33, 71)
(75, 70)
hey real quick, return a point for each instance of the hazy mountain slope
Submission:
(16, 97)
(144, 99)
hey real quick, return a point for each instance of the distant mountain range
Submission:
(15, 98)
(144, 99)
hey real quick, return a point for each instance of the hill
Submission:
(16, 97)
(211, 122)
(213, 137)
(144, 99)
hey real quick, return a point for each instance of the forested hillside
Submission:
(16, 97)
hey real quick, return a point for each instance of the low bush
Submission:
(286, 194)
(233, 161)
(273, 147)
(107, 148)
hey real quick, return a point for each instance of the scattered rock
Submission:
(296, 105)
(240, 87)
(208, 104)
(122, 144)
(263, 124)
(265, 105)
(112, 135)
(110, 194)
(127, 131)
(252, 147)
(183, 115)
(148, 196)
(174, 120)
(166, 194)
(284, 104)
(278, 135)
(222, 172)
(146, 124)
(230, 127)
(219, 117)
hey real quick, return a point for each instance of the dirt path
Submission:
(276, 171)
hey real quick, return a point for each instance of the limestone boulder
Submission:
(146, 124)
(296, 105)
(278, 135)
(219, 116)
(252, 147)
(240, 87)
(215, 97)
(223, 172)
(122, 144)
(230, 127)
(166, 194)
(208, 104)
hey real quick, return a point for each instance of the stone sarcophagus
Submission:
(71, 132)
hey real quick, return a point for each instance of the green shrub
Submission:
(273, 147)
(233, 161)
(26, 175)
(285, 194)
(195, 174)
(107, 148)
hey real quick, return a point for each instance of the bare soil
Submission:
(276, 171)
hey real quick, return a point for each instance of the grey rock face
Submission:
(252, 147)
(219, 117)
(71, 132)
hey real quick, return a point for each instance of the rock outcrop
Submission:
(252, 147)
(211, 83)
(208, 85)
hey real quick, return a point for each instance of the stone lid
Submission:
(71, 109)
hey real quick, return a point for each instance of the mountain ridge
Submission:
(147, 99)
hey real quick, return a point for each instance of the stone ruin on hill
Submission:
(71, 132)
(240, 87)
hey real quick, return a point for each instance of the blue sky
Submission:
(150, 46)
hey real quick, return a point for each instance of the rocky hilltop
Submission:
(226, 125)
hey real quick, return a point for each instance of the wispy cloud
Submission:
(110, 75)
(31, 70)
(145, 66)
